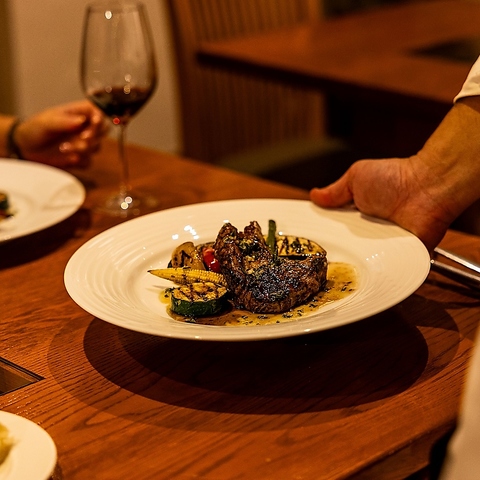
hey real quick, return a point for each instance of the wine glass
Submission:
(118, 75)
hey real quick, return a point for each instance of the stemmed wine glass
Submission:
(118, 75)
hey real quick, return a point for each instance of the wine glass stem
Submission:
(125, 178)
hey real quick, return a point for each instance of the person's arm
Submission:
(423, 193)
(62, 136)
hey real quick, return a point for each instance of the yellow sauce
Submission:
(341, 282)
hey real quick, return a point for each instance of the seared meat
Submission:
(261, 282)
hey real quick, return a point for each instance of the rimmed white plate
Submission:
(108, 276)
(33, 455)
(40, 196)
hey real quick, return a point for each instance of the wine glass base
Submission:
(127, 204)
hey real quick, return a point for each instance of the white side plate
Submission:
(39, 195)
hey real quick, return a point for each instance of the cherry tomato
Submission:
(209, 259)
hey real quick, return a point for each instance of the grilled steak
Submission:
(260, 281)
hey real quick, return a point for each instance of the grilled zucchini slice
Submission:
(297, 247)
(198, 299)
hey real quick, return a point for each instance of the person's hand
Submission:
(394, 189)
(62, 136)
(423, 193)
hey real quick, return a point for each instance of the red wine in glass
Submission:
(118, 104)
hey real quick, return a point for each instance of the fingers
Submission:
(76, 149)
(80, 107)
(77, 152)
(98, 127)
(74, 117)
(87, 127)
(95, 116)
(334, 195)
(57, 121)
(80, 146)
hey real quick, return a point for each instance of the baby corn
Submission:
(185, 276)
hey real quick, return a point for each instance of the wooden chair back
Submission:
(224, 113)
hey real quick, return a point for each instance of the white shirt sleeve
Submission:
(471, 87)
(463, 452)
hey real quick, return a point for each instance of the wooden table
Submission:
(388, 97)
(366, 400)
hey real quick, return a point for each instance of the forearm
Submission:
(449, 163)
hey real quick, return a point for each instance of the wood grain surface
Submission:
(367, 400)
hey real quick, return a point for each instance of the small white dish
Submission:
(33, 455)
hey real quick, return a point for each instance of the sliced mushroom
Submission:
(186, 255)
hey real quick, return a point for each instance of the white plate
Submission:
(40, 196)
(108, 276)
(33, 455)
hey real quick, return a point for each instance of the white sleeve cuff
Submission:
(471, 87)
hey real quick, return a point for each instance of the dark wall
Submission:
(340, 7)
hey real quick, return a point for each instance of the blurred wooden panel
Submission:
(224, 113)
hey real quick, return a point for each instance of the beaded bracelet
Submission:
(13, 150)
